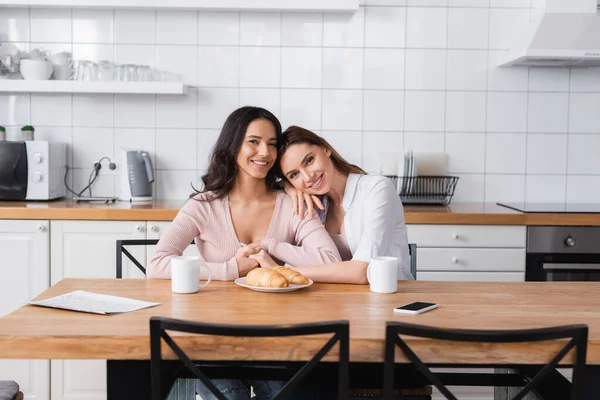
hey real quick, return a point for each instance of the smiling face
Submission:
(308, 167)
(258, 151)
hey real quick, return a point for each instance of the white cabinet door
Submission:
(87, 249)
(467, 236)
(24, 274)
(472, 276)
(471, 260)
(156, 229)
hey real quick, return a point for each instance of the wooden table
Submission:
(35, 332)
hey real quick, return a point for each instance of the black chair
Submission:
(412, 252)
(159, 326)
(122, 250)
(577, 333)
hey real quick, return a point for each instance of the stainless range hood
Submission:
(562, 40)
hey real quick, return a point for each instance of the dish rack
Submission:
(425, 189)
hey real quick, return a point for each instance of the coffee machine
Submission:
(136, 176)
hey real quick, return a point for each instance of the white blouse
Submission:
(374, 222)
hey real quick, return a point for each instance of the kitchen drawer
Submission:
(467, 236)
(472, 276)
(460, 259)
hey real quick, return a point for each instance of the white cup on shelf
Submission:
(185, 274)
(382, 274)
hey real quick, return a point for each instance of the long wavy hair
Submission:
(297, 135)
(223, 168)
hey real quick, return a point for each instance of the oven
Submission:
(563, 253)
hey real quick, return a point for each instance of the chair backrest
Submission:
(159, 326)
(122, 250)
(412, 251)
(577, 333)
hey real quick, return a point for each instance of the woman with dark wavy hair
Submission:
(240, 220)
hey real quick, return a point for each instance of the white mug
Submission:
(185, 274)
(382, 274)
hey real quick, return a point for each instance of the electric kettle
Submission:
(136, 176)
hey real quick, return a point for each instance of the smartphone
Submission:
(415, 308)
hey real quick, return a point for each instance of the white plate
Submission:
(242, 282)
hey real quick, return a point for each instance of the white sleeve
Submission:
(380, 204)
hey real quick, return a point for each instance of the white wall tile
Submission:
(583, 189)
(510, 3)
(301, 67)
(465, 111)
(14, 25)
(375, 143)
(301, 107)
(218, 28)
(53, 48)
(584, 113)
(467, 70)
(104, 186)
(135, 139)
(260, 29)
(302, 29)
(423, 142)
(434, 3)
(343, 29)
(93, 110)
(468, 28)
(343, 68)
(344, 142)
(215, 105)
(470, 188)
(51, 109)
(468, 3)
(182, 60)
(585, 79)
(135, 26)
(206, 140)
(342, 109)
(505, 153)
(426, 27)
(135, 54)
(218, 66)
(135, 111)
(91, 144)
(176, 149)
(384, 2)
(93, 52)
(385, 27)
(93, 26)
(547, 154)
(175, 184)
(14, 109)
(503, 78)
(425, 111)
(466, 152)
(548, 112)
(177, 111)
(51, 25)
(505, 188)
(545, 189)
(176, 27)
(269, 99)
(584, 156)
(384, 69)
(261, 67)
(549, 79)
(508, 27)
(425, 69)
(507, 112)
(383, 110)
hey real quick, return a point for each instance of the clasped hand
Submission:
(252, 256)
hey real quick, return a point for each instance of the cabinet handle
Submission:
(153, 228)
(455, 236)
(454, 260)
(41, 228)
(139, 228)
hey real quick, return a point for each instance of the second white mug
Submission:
(382, 274)
(185, 274)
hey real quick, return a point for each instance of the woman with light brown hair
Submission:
(362, 213)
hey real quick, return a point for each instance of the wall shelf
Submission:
(50, 86)
(232, 5)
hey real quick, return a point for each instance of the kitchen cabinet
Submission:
(156, 229)
(469, 252)
(86, 249)
(24, 275)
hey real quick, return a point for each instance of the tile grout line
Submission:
(568, 137)
(487, 100)
(527, 132)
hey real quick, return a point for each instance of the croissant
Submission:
(291, 275)
(265, 277)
